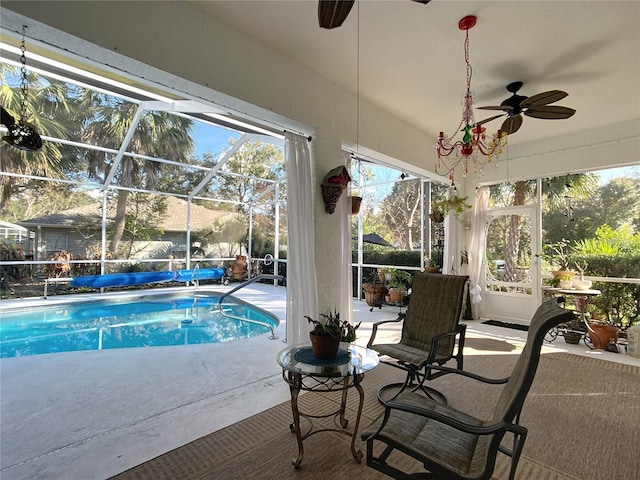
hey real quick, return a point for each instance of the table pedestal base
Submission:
(297, 383)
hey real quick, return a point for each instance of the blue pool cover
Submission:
(140, 278)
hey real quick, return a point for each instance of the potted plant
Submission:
(431, 265)
(436, 215)
(566, 281)
(559, 256)
(374, 293)
(400, 280)
(456, 204)
(328, 332)
(582, 283)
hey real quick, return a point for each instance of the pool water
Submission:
(146, 321)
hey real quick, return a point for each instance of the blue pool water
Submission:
(144, 321)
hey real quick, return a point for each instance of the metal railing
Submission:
(244, 319)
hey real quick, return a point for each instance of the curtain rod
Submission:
(309, 138)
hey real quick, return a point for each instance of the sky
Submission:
(209, 137)
(607, 175)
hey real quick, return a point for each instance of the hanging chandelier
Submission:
(475, 148)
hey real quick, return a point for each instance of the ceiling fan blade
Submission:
(512, 124)
(550, 112)
(544, 98)
(504, 108)
(332, 13)
(487, 120)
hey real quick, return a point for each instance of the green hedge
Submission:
(619, 303)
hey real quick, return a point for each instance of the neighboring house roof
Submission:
(174, 220)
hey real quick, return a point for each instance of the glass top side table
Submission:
(302, 371)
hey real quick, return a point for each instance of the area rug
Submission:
(583, 416)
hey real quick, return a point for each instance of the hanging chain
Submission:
(24, 85)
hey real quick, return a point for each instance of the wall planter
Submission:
(334, 183)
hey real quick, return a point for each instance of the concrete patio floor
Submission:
(90, 415)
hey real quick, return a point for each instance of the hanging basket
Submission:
(436, 216)
(355, 205)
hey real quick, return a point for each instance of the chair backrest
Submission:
(435, 307)
(512, 397)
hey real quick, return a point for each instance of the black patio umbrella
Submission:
(375, 239)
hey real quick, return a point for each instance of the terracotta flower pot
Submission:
(325, 348)
(355, 205)
(396, 295)
(601, 335)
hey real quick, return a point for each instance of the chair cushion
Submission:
(407, 354)
(436, 445)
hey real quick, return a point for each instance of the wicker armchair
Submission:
(431, 333)
(450, 444)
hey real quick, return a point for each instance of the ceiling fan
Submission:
(332, 13)
(536, 106)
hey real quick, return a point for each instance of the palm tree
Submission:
(52, 110)
(157, 134)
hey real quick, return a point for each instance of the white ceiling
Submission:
(408, 58)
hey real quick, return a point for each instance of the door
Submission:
(511, 281)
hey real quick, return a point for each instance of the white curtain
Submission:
(302, 284)
(451, 259)
(346, 286)
(478, 244)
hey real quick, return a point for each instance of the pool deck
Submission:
(90, 415)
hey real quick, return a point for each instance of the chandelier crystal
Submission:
(475, 148)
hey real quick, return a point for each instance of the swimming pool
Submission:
(150, 320)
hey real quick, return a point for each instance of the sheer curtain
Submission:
(477, 246)
(451, 228)
(302, 283)
(346, 285)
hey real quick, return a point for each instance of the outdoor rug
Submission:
(583, 416)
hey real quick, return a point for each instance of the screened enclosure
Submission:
(127, 181)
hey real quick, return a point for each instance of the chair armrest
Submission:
(475, 376)
(374, 330)
(455, 423)
(460, 329)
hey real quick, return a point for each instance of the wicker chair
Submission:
(431, 333)
(450, 444)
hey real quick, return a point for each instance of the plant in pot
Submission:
(328, 332)
(431, 265)
(400, 280)
(558, 255)
(581, 283)
(565, 281)
(456, 204)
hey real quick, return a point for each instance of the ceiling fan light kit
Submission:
(474, 147)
